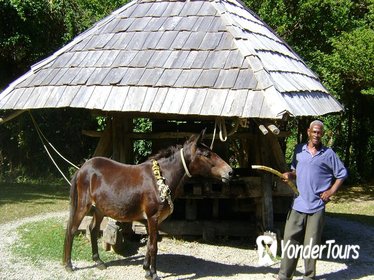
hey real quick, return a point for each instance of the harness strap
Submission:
(185, 165)
(164, 190)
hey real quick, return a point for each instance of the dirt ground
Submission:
(182, 259)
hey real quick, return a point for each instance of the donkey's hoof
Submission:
(148, 275)
(101, 266)
(69, 268)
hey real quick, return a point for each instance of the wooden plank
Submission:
(99, 97)
(96, 77)
(169, 77)
(84, 76)
(157, 9)
(235, 102)
(81, 99)
(107, 58)
(173, 101)
(149, 99)
(193, 102)
(207, 78)
(197, 228)
(134, 99)
(166, 40)
(12, 99)
(246, 80)
(132, 76)
(211, 40)
(67, 96)
(159, 59)
(226, 78)
(114, 76)
(214, 102)
(150, 76)
(188, 78)
(116, 99)
(141, 59)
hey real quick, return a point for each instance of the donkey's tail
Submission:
(73, 197)
(69, 225)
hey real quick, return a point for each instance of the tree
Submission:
(335, 38)
(31, 30)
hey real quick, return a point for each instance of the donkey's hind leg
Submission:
(79, 206)
(94, 233)
(76, 217)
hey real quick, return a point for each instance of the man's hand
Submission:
(325, 196)
(288, 176)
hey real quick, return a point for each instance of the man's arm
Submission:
(325, 196)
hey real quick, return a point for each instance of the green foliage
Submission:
(142, 148)
(336, 40)
(353, 58)
(22, 155)
(82, 14)
(32, 29)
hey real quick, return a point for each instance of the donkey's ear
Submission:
(200, 138)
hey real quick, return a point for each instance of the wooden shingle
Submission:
(212, 58)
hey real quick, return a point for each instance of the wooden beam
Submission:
(175, 135)
(11, 116)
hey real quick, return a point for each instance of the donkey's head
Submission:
(202, 161)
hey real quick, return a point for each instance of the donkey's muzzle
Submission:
(228, 175)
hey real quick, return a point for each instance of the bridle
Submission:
(184, 164)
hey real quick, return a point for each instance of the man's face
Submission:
(315, 134)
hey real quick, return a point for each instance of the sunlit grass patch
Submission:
(44, 240)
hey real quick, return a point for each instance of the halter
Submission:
(185, 165)
(163, 189)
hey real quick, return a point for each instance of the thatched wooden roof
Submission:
(212, 58)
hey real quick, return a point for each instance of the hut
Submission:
(187, 65)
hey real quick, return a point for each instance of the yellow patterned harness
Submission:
(163, 189)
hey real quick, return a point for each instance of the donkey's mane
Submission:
(165, 153)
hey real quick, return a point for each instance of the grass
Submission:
(354, 203)
(25, 200)
(44, 240)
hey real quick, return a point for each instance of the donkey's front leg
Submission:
(150, 257)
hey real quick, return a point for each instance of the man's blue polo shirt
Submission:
(314, 175)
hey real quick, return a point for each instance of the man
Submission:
(319, 173)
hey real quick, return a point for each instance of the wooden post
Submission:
(105, 145)
(122, 144)
(191, 209)
(122, 152)
(267, 184)
(215, 210)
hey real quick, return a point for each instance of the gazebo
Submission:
(185, 65)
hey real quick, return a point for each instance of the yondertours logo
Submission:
(267, 247)
(310, 251)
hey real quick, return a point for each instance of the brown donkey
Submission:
(137, 192)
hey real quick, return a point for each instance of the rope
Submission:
(43, 139)
(185, 165)
(223, 135)
(220, 123)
